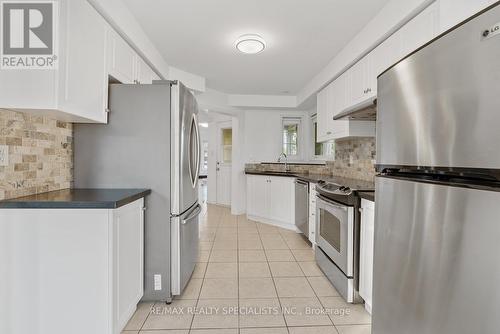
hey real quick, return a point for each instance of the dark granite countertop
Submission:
(369, 195)
(77, 199)
(359, 185)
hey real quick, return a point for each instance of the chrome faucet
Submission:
(283, 155)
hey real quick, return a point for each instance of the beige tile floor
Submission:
(266, 273)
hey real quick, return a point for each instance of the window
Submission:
(325, 150)
(291, 133)
(227, 145)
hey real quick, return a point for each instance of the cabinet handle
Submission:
(329, 133)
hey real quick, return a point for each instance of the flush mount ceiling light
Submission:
(250, 44)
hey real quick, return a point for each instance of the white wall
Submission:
(263, 134)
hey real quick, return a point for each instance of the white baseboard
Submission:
(272, 222)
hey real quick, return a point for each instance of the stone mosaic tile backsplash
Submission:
(354, 158)
(40, 154)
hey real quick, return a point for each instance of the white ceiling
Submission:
(302, 37)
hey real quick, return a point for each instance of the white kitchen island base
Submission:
(73, 270)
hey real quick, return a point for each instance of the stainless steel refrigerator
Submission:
(437, 237)
(151, 141)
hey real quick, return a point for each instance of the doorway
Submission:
(224, 163)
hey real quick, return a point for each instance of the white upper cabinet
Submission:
(322, 116)
(77, 91)
(358, 85)
(125, 65)
(385, 55)
(362, 81)
(83, 79)
(419, 31)
(332, 100)
(122, 59)
(144, 74)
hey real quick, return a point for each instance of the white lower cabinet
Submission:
(271, 199)
(79, 270)
(366, 252)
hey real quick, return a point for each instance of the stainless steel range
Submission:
(337, 238)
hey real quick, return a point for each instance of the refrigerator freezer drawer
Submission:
(185, 231)
(436, 261)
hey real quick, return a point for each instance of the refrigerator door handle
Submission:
(193, 214)
(198, 147)
(194, 170)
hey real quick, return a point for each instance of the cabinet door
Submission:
(281, 202)
(366, 251)
(144, 73)
(156, 76)
(386, 55)
(418, 31)
(256, 195)
(322, 115)
(128, 255)
(84, 85)
(341, 93)
(370, 78)
(357, 82)
(122, 59)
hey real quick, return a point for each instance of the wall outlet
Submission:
(4, 155)
(157, 279)
(351, 160)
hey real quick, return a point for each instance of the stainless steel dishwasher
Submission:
(302, 206)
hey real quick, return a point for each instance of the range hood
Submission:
(364, 111)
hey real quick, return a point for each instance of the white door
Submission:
(224, 160)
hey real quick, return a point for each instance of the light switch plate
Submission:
(4, 155)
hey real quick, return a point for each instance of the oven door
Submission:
(335, 232)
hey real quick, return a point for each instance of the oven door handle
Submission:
(331, 203)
